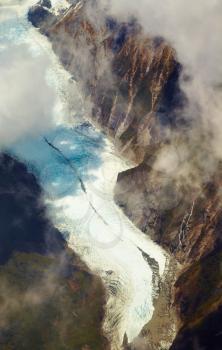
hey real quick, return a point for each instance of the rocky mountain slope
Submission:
(132, 84)
(48, 297)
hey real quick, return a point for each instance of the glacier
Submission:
(93, 225)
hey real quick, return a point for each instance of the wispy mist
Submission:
(194, 29)
(27, 102)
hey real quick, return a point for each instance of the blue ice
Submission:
(82, 145)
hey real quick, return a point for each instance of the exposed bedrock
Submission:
(40, 13)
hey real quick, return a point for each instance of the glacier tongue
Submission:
(108, 246)
(105, 239)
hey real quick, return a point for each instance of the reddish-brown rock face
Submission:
(186, 221)
(122, 71)
(132, 83)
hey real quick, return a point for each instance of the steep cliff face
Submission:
(184, 219)
(190, 229)
(198, 300)
(132, 83)
(122, 71)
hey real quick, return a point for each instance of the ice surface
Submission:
(104, 238)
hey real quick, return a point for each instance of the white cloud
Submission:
(194, 29)
(26, 101)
